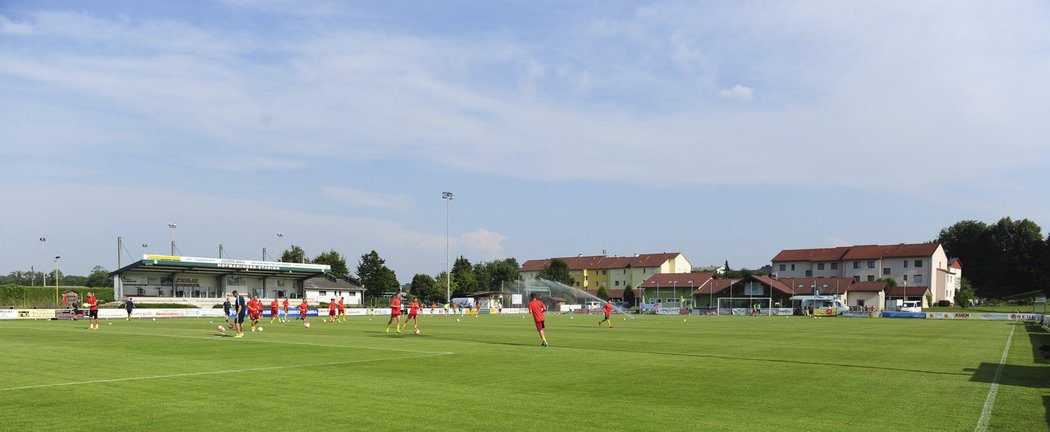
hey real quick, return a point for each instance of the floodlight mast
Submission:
(447, 196)
(172, 226)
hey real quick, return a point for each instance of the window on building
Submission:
(820, 266)
(905, 278)
(809, 273)
(616, 283)
(603, 272)
(856, 278)
(236, 281)
(918, 278)
(871, 264)
(918, 263)
(860, 302)
(792, 267)
(834, 266)
(871, 278)
(905, 263)
(885, 271)
(577, 284)
(783, 267)
(322, 293)
(856, 264)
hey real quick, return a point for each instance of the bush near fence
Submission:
(30, 297)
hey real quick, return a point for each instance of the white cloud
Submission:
(738, 92)
(360, 198)
(487, 243)
(7, 26)
(836, 84)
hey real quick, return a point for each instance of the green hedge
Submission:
(29, 297)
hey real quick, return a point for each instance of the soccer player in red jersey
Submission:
(274, 311)
(395, 312)
(333, 308)
(304, 308)
(92, 304)
(342, 310)
(537, 308)
(413, 314)
(608, 311)
(285, 304)
(255, 307)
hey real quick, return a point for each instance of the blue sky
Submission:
(724, 130)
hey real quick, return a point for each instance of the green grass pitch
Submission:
(489, 373)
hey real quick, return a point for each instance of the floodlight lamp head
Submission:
(280, 234)
(43, 239)
(171, 225)
(448, 195)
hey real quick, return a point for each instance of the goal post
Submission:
(745, 306)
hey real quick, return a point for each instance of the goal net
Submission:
(745, 306)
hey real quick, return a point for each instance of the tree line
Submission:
(1006, 259)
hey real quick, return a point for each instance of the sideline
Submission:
(190, 374)
(989, 402)
(240, 340)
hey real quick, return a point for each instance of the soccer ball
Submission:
(307, 325)
(416, 331)
(222, 329)
(260, 328)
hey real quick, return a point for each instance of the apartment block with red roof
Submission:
(918, 265)
(590, 273)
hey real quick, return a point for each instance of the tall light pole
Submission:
(447, 196)
(691, 291)
(43, 262)
(280, 246)
(172, 226)
(56, 279)
(674, 290)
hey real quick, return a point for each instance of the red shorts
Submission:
(395, 312)
(342, 311)
(411, 315)
(539, 325)
(606, 316)
(331, 313)
(254, 316)
(274, 312)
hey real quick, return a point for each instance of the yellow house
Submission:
(590, 273)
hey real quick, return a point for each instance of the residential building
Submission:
(590, 273)
(916, 265)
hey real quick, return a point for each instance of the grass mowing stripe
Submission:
(243, 340)
(989, 402)
(189, 374)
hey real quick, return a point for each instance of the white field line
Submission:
(989, 402)
(239, 340)
(190, 374)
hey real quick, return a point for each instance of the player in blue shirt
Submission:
(242, 311)
(226, 306)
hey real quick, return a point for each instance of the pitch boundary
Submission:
(216, 337)
(989, 402)
(190, 374)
